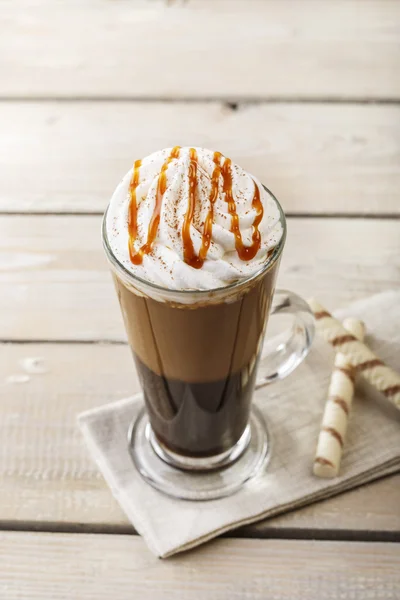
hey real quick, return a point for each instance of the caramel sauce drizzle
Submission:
(132, 209)
(190, 257)
(245, 253)
(137, 257)
(208, 223)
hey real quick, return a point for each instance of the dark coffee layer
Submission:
(197, 419)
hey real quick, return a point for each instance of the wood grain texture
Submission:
(55, 284)
(56, 566)
(67, 157)
(47, 478)
(248, 49)
(324, 158)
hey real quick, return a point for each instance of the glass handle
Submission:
(285, 350)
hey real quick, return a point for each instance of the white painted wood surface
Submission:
(201, 49)
(47, 475)
(323, 158)
(59, 566)
(55, 284)
(134, 63)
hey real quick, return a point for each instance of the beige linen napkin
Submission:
(293, 409)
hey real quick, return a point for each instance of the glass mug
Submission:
(199, 356)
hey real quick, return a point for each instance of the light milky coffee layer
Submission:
(208, 343)
(190, 219)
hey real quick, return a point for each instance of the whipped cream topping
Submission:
(190, 219)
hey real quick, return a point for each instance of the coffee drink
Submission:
(197, 241)
(197, 365)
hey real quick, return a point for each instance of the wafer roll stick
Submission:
(337, 409)
(365, 362)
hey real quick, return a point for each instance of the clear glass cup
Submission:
(199, 357)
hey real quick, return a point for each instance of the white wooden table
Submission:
(303, 93)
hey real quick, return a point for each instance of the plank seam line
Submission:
(231, 102)
(64, 342)
(340, 535)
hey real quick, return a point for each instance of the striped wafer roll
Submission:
(374, 370)
(337, 409)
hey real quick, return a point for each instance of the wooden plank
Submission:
(39, 565)
(55, 285)
(324, 158)
(47, 476)
(202, 49)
